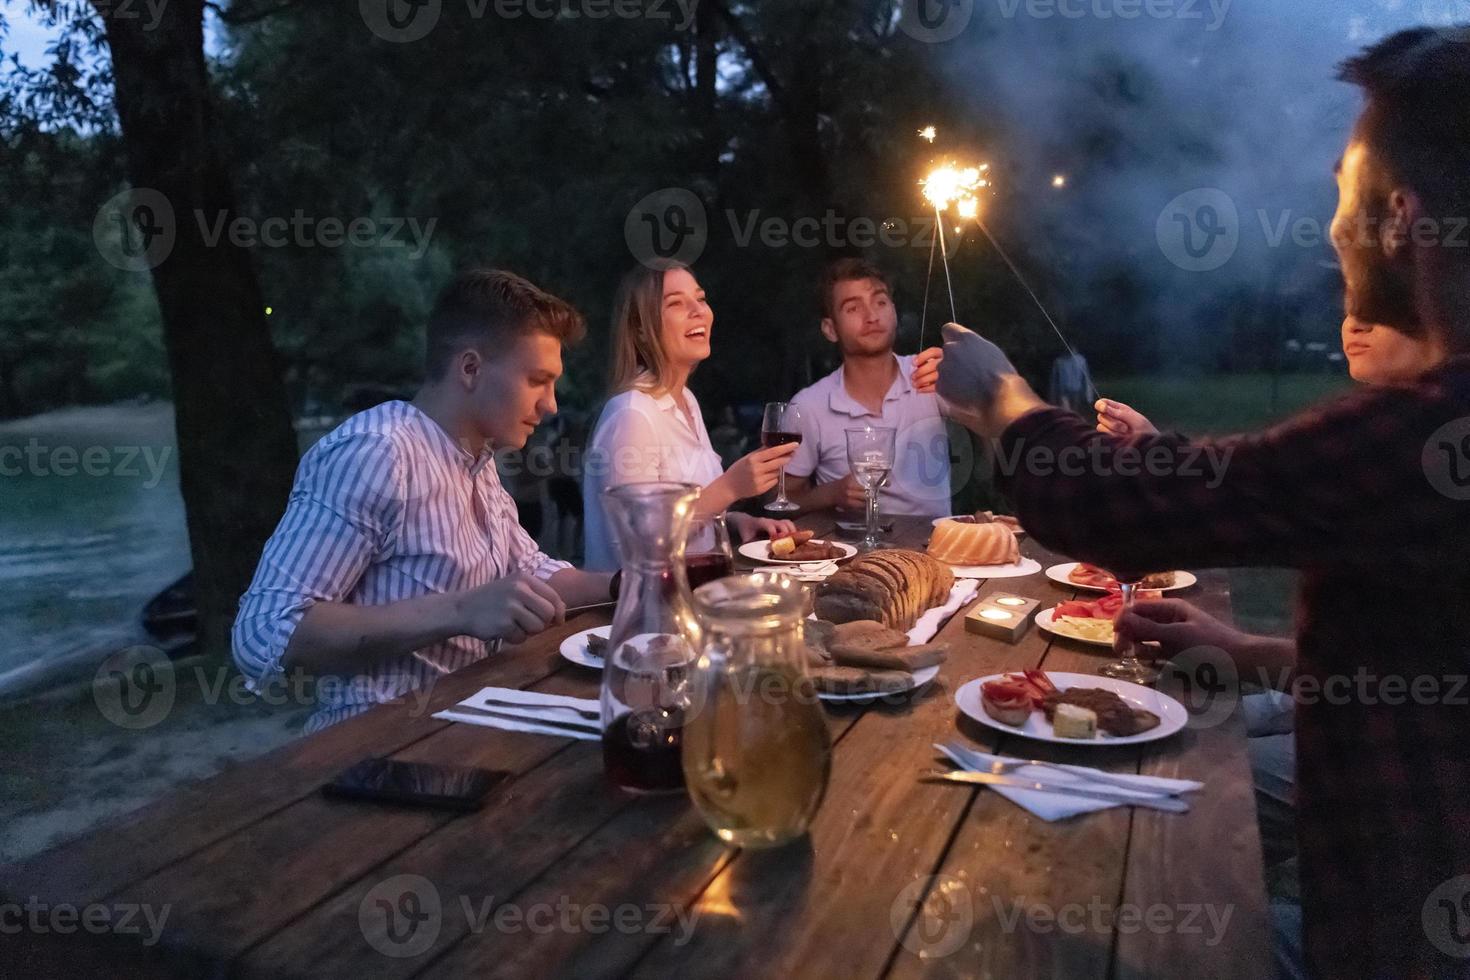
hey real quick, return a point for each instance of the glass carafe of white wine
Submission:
(757, 753)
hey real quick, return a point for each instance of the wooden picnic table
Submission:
(562, 875)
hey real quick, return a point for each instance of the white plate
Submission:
(1018, 532)
(1172, 715)
(1046, 619)
(574, 647)
(921, 677)
(1026, 566)
(761, 551)
(1059, 573)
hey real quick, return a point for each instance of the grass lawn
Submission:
(1222, 405)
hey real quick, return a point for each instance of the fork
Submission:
(492, 703)
(1001, 767)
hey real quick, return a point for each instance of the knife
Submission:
(1170, 804)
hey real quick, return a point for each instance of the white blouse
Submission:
(641, 438)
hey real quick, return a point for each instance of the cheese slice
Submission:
(1071, 721)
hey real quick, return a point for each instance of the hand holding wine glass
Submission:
(781, 426)
(1128, 667)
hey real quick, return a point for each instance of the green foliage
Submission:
(525, 142)
(72, 328)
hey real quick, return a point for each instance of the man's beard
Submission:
(869, 348)
(1384, 293)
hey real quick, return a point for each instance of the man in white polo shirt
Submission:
(874, 386)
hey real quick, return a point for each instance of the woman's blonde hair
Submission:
(637, 330)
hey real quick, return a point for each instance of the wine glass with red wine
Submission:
(1128, 667)
(781, 426)
(707, 553)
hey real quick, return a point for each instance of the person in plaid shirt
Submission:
(1368, 495)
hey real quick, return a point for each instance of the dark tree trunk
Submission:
(706, 117)
(237, 450)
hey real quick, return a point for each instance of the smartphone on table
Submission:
(415, 784)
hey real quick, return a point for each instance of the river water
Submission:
(91, 528)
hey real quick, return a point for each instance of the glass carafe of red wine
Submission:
(708, 554)
(654, 641)
(757, 753)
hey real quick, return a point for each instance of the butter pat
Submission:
(1070, 721)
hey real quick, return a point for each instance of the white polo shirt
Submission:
(641, 438)
(920, 482)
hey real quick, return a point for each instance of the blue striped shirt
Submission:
(385, 507)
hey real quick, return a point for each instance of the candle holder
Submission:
(1002, 616)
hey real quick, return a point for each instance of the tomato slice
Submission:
(1006, 692)
(1039, 679)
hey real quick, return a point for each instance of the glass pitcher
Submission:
(757, 753)
(654, 639)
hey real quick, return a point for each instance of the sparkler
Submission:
(949, 186)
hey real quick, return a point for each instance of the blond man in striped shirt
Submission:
(400, 557)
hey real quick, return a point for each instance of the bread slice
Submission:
(817, 637)
(873, 599)
(851, 680)
(893, 566)
(844, 607)
(943, 580)
(866, 634)
(891, 579)
(891, 658)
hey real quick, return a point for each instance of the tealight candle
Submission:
(1002, 616)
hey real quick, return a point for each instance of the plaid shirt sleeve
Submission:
(1308, 492)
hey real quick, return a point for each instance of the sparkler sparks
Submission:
(949, 186)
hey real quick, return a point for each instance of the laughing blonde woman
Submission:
(652, 428)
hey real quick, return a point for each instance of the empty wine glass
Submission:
(870, 452)
(1128, 667)
(781, 425)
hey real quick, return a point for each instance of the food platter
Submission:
(1172, 715)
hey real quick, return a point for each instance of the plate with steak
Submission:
(802, 548)
(587, 648)
(1097, 710)
(1080, 575)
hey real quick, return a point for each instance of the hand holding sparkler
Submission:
(926, 369)
(949, 186)
(979, 386)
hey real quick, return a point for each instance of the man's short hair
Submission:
(849, 269)
(1417, 120)
(484, 308)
